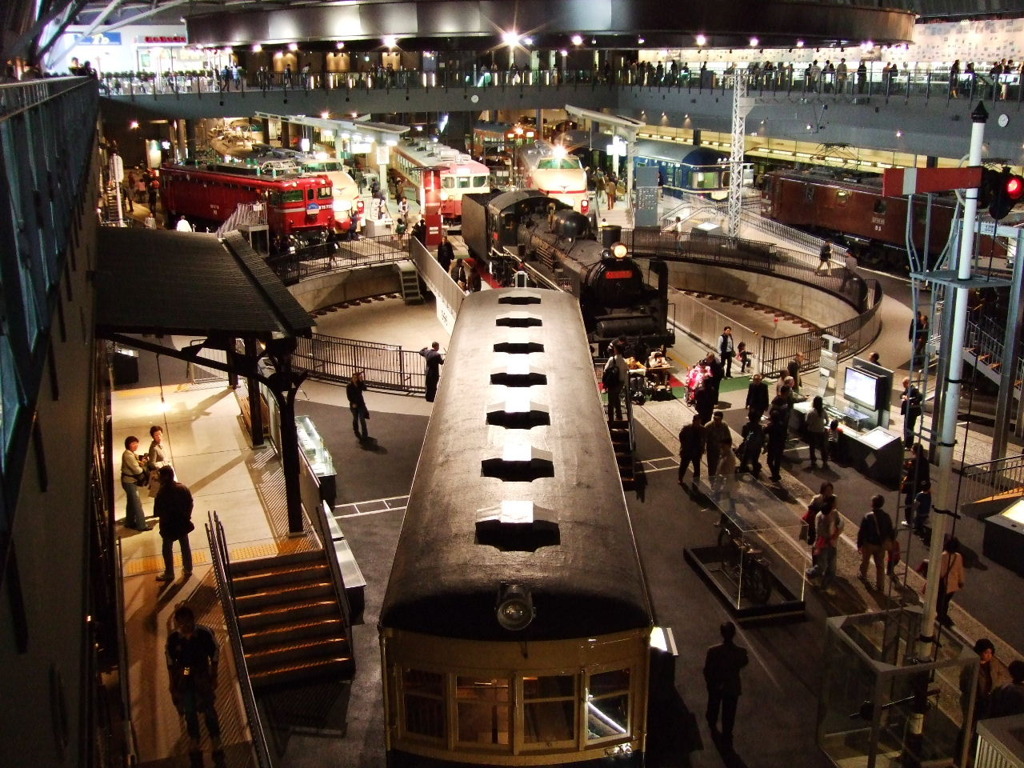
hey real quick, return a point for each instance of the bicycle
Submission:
(743, 563)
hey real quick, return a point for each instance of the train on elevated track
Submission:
(613, 289)
(517, 628)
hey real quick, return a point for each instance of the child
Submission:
(743, 355)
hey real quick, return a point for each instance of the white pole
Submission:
(947, 439)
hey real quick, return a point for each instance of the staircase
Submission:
(292, 625)
(622, 445)
(410, 282)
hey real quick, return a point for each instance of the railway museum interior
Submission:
(507, 573)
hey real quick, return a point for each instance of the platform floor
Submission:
(244, 486)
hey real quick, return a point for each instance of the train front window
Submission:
(479, 181)
(464, 182)
(448, 182)
(325, 193)
(293, 196)
(549, 711)
(484, 714)
(423, 697)
(608, 705)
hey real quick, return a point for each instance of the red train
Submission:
(872, 226)
(299, 207)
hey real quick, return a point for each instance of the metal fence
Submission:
(386, 366)
(337, 256)
(989, 478)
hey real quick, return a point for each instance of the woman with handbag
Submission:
(951, 579)
(132, 476)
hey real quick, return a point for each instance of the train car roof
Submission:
(684, 154)
(505, 200)
(461, 540)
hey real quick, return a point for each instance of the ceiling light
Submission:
(257, 48)
(293, 46)
(640, 41)
(701, 40)
(390, 41)
(753, 42)
(339, 45)
(799, 43)
(510, 38)
(576, 40)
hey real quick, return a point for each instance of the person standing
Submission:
(874, 540)
(132, 472)
(793, 371)
(726, 350)
(704, 400)
(750, 448)
(614, 378)
(816, 424)
(173, 507)
(951, 579)
(357, 404)
(744, 356)
(828, 525)
(183, 225)
(719, 441)
(193, 656)
(155, 458)
(1008, 699)
(445, 253)
(776, 432)
(916, 472)
(757, 397)
(434, 360)
(910, 408)
(610, 190)
(692, 439)
(824, 260)
(722, 666)
(980, 694)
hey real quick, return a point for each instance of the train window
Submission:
(608, 705)
(448, 182)
(549, 707)
(324, 193)
(423, 698)
(464, 182)
(479, 181)
(483, 710)
(309, 194)
(292, 196)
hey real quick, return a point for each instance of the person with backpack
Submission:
(874, 540)
(751, 446)
(614, 378)
(825, 492)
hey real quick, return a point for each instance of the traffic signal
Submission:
(1000, 191)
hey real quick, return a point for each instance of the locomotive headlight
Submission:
(619, 250)
(444, 196)
(515, 607)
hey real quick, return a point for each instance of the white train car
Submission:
(550, 169)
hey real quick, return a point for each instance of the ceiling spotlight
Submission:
(899, 134)
(753, 42)
(339, 45)
(640, 41)
(701, 40)
(799, 43)
(325, 115)
(527, 41)
(257, 48)
(515, 609)
(510, 38)
(593, 41)
(293, 46)
(390, 41)
(576, 40)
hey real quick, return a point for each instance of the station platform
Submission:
(207, 446)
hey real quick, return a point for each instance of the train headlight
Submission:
(515, 607)
(444, 196)
(619, 250)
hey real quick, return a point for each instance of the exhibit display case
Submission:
(318, 459)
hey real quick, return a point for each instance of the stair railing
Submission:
(321, 527)
(124, 670)
(221, 562)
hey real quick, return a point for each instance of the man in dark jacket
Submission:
(357, 404)
(435, 360)
(874, 540)
(173, 508)
(722, 667)
(192, 659)
(692, 439)
(757, 397)
(445, 253)
(726, 350)
(910, 407)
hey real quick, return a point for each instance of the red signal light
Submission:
(1015, 187)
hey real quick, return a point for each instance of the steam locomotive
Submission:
(560, 245)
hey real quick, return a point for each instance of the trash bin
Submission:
(125, 365)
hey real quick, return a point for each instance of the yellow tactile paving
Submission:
(252, 551)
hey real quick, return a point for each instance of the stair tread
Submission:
(284, 589)
(298, 667)
(281, 570)
(286, 608)
(293, 626)
(263, 653)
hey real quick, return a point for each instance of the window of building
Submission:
(423, 699)
(483, 711)
(608, 705)
(549, 710)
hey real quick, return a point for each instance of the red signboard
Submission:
(165, 39)
(618, 274)
(911, 181)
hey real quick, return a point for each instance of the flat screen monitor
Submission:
(861, 388)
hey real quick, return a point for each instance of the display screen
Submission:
(861, 388)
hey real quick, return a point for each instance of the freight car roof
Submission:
(579, 561)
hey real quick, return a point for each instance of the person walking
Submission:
(692, 439)
(757, 397)
(828, 525)
(825, 492)
(775, 435)
(916, 472)
(751, 446)
(824, 260)
(951, 579)
(193, 656)
(173, 507)
(1008, 699)
(815, 425)
(726, 350)
(434, 360)
(445, 253)
(722, 665)
(874, 540)
(980, 695)
(614, 378)
(133, 473)
(718, 439)
(357, 404)
(910, 408)
(611, 190)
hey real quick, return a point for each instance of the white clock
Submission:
(1003, 120)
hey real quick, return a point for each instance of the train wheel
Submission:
(757, 580)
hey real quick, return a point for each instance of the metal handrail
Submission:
(321, 528)
(388, 367)
(124, 670)
(988, 478)
(221, 562)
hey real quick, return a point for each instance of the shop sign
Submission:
(164, 39)
(108, 38)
